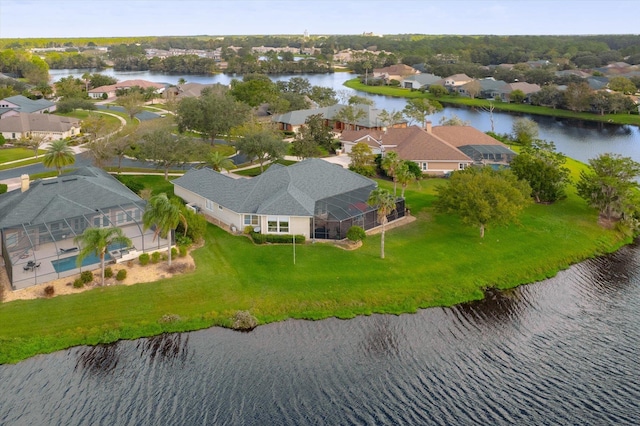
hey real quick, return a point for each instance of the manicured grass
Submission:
(398, 92)
(15, 154)
(434, 261)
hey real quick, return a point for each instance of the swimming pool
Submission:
(69, 263)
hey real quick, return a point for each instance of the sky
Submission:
(120, 18)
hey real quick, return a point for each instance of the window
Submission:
(12, 239)
(208, 204)
(461, 166)
(278, 224)
(120, 218)
(424, 166)
(251, 220)
(219, 207)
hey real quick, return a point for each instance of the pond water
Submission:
(562, 351)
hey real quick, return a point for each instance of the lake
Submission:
(564, 351)
(576, 139)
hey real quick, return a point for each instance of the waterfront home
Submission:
(111, 90)
(313, 198)
(13, 105)
(38, 224)
(396, 72)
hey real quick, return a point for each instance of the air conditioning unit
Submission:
(193, 207)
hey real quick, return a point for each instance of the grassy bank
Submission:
(434, 261)
(499, 106)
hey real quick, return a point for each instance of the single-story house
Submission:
(454, 82)
(111, 90)
(437, 150)
(433, 155)
(39, 221)
(527, 88)
(394, 72)
(16, 104)
(369, 119)
(313, 198)
(187, 90)
(420, 81)
(49, 126)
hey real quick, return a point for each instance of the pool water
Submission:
(69, 263)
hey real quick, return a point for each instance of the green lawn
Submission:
(434, 261)
(15, 154)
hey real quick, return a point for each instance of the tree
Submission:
(609, 185)
(260, 142)
(517, 96)
(166, 149)
(218, 162)
(58, 155)
(213, 114)
(97, 240)
(438, 90)
(623, 85)
(390, 164)
(69, 87)
(386, 204)
(362, 159)
(404, 175)
(577, 96)
(483, 196)
(454, 120)
(315, 134)
(323, 96)
(419, 109)
(473, 88)
(164, 215)
(350, 114)
(389, 118)
(132, 102)
(34, 142)
(543, 168)
(524, 130)
(254, 90)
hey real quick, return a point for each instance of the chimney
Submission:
(24, 183)
(428, 127)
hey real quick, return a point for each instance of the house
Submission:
(420, 81)
(188, 90)
(369, 119)
(15, 104)
(38, 224)
(437, 150)
(527, 88)
(454, 82)
(112, 89)
(49, 126)
(491, 88)
(433, 155)
(313, 198)
(394, 72)
(477, 145)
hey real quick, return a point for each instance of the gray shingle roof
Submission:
(73, 194)
(27, 105)
(291, 191)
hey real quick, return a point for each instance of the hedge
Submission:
(276, 239)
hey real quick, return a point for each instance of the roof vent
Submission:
(49, 182)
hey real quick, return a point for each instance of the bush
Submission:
(174, 252)
(49, 291)
(356, 233)
(86, 277)
(182, 251)
(182, 240)
(244, 321)
(276, 239)
(121, 275)
(144, 259)
(130, 183)
(196, 225)
(3, 188)
(155, 257)
(108, 272)
(78, 283)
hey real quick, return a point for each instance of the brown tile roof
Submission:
(464, 135)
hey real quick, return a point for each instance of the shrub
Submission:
(86, 277)
(155, 257)
(3, 188)
(196, 225)
(244, 321)
(144, 259)
(121, 275)
(78, 283)
(248, 229)
(276, 239)
(108, 272)
(49, 291)
(182, 251)
(356, 233)
(130, 183)
(182, 240)
(174, 252)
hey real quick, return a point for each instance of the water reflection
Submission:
(498, 308)
(381, 338)
(100, 359)
(166, 347)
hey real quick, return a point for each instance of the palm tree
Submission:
(165, 216)
(390, 164)
(217, 162)
(97, 240)
(58, 155)
(404, 176)
(386, 203)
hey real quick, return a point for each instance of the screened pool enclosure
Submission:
(47, 251)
